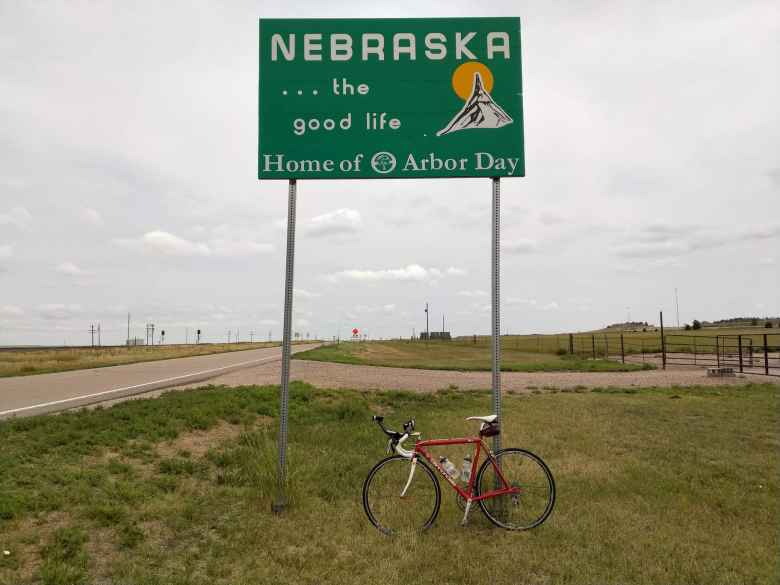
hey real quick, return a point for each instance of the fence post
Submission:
(571, 343)
(593, 341)
(739, 344)
(663, 341)
(766, 355)
(717, 349)
(622, 349)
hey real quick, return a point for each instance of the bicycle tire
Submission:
(381, 513)
(500, 509)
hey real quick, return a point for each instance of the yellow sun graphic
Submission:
(463, 78)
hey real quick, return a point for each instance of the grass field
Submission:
(607, 341)
(42, 361)
(674, 486)
(444, 355)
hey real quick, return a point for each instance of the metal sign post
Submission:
(281, 499)
(389, 98)
(496, 307)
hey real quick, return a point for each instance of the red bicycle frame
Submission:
(419, 449)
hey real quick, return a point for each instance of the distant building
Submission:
(437, 336)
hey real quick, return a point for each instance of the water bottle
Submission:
(465, 472)
(448, 467)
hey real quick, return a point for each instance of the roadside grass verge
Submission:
(672, 486)
(28, 362)
(443, 355)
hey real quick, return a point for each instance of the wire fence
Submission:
(752, 353)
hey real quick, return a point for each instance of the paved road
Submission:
(28, 395)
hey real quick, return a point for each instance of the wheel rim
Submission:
(536, 491)
(393, 514)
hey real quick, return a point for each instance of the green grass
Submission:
(671, 486)
(43, 361)
(607, 341)
(443, 355)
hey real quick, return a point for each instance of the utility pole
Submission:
(228, 335)
(442, 322)
(427, 330)
(92, 332)
(100, 343)
(269, 335)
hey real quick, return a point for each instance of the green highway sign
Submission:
(390, 98)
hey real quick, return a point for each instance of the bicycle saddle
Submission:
(485, 419)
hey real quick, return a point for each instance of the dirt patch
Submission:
(197, 443)
(331, 375)
(26, 540)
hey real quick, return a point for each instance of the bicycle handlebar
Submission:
(396, 438)
(408, 427)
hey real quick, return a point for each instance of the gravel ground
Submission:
(329, 375)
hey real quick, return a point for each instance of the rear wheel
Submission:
(536, 496)
(393, 514)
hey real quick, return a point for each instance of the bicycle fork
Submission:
(413, 466)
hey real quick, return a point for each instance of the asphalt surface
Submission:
(30, 395)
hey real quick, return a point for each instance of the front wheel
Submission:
(533, 502)
(390, 511)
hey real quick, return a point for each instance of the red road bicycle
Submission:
(513, 487)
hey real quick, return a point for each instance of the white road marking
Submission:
(4, 413)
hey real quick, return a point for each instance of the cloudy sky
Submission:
(128, 143)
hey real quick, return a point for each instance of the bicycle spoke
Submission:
(393, 513)
(531, 504)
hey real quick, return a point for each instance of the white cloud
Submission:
(171, 245)
(520, 246)
(550, 218)
(70, 269)
(412, 272)
(233, 248)
(341, 221)
(18, 216)
(59, 311)
(304, 294)
(760, 233)
(453, 271)
(551, 306)
(520, 301)
(91, 216)
(168, 244)
(653, 250)
(11, 311)
(472, 293)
